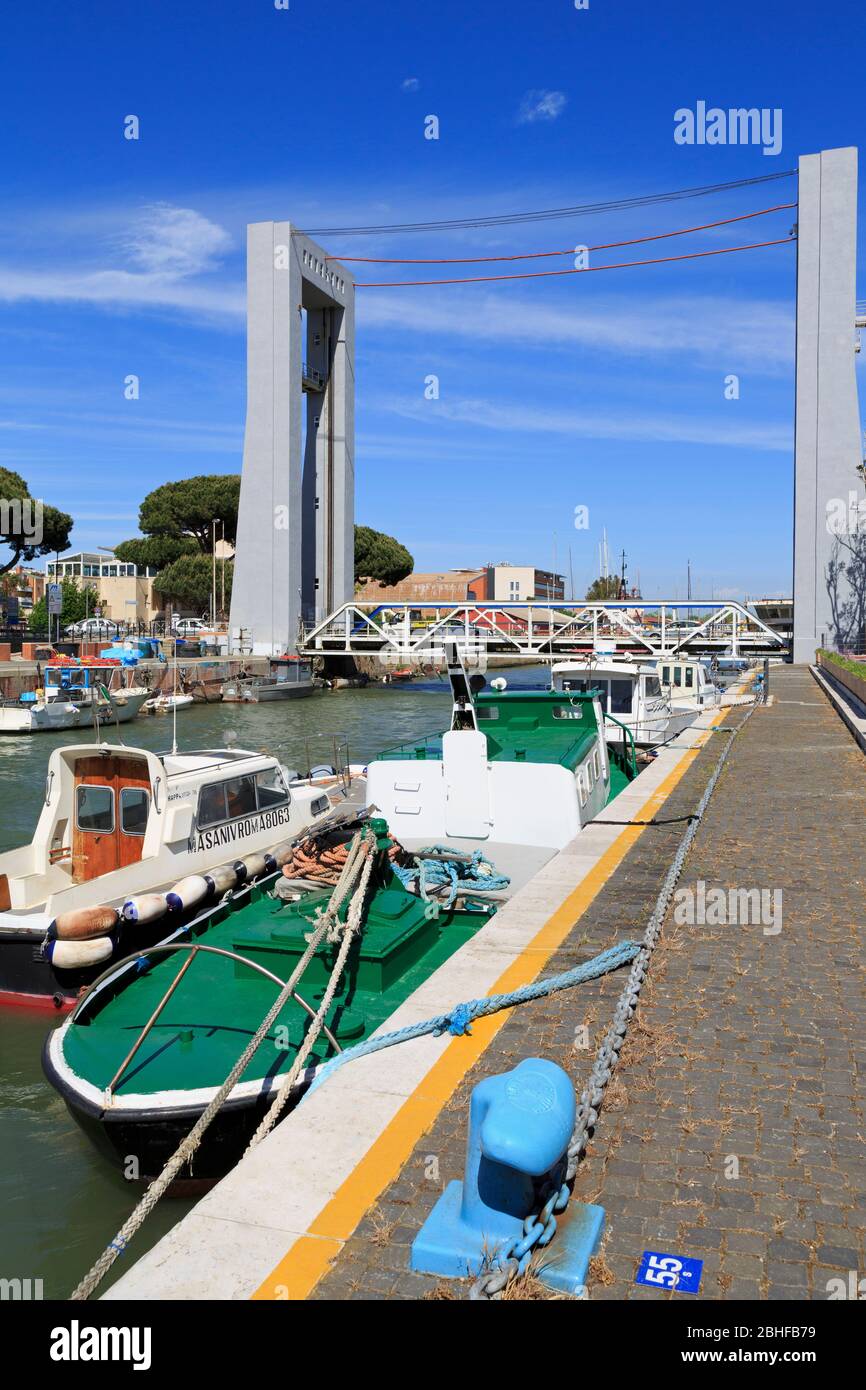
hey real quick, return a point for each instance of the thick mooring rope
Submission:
(354, 921)
(364, 844)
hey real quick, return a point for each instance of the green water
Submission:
(60, 1202)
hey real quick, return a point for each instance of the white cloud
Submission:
(541, 106)
(672, 429)
(169, 246)
(410, 84)
(122, 289)
(731, 334)
(169, 240)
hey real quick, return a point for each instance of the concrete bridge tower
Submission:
(829, 604)
(295, 543)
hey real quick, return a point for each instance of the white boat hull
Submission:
(40, 718)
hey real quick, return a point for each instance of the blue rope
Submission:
(479, 873)
(458, 1020)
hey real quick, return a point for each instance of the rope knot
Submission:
(459, 1021)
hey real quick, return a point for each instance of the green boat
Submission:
(152, 1041)
(149, 1046)
(529, 768)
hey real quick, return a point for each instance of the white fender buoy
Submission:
(282, 853)
(221, 879)
(254, 864)
(148, 908)
(83, 923)
(189, 892)
(74, 955)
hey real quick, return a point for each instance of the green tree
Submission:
(603, 588)
(188, 580)
(190, 507)
(155, 552)
(28, 527)
(76, 605)
(381, 557)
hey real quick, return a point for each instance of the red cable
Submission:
(543, 274)
(537, 255)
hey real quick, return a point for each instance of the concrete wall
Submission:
(828, 447)
(296, 520)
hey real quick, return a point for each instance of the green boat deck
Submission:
(533, 726)
(220, 1002)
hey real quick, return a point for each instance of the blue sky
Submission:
(604, 391)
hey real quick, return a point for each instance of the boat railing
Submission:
(416, 749)
(627, 759)
(195, 948)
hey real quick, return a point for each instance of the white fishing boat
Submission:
(102, 689)
(522, 768)
(32, 714)
(166, 704)
(631, 697)
(687, 684)
(126, 843)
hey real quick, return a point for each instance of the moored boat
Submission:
(687, 683)
(630, 695)
(150, 1044)
(120, 829)
(518, 767)
(287, 678)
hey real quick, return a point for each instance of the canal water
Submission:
(60, 1201)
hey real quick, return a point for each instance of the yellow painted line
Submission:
(307, 1260)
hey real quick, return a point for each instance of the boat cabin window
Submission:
(240, 796)
(271, 789)
(653, 687)
(666, 675)
(690, 678)
(94, 809)
(620, 696)
(134, 808)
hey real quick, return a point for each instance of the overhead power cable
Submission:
(510, 219)
(588, 270)
(567, 251)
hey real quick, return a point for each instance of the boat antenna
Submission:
(174, 704)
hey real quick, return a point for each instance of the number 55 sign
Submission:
(669, 1271)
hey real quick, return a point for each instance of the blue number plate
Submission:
(664, 1271)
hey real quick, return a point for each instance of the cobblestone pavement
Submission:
(734, 1128)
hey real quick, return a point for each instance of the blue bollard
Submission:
(519, 1127)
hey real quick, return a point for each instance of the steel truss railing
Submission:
(531, 631)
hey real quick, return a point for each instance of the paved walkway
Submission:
(734, 1129)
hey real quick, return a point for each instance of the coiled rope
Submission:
(439, 868)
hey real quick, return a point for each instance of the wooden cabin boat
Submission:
(144, 1052)
(522, 767)
(127, 839)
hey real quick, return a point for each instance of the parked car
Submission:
(91, 629)
(187, 627)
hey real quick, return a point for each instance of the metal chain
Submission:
(539, 1230)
